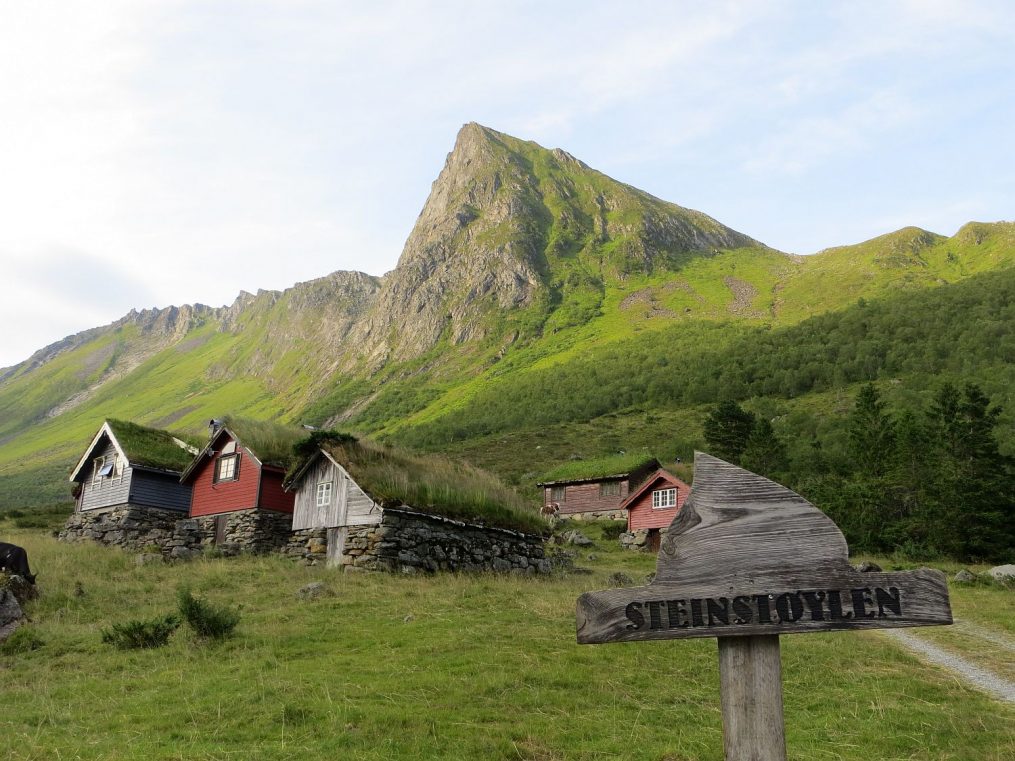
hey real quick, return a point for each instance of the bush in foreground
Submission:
(135, 635)
(205, 618)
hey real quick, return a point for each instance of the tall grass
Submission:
(451, 667)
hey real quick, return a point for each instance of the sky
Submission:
(173, 151)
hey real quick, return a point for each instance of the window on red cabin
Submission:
(558, 493)
(226, 468)
(609, 489)
(664, 498)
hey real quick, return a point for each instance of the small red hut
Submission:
(653, 505)
(238, 497)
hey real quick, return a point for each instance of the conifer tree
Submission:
(727, 430)
(871, 433)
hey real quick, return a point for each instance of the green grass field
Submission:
(456, 667)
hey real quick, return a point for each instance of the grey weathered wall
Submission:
(350, 505)
(106, 492)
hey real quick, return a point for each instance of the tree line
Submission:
(927, 481)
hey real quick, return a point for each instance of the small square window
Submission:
(662, 498)
(225, 468)
(609, 489)
(324, 494)
(558, 493)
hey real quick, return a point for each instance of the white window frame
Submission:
(99, 463)
(664, 498)
(219, 467)
(558, 494)
(324, 492)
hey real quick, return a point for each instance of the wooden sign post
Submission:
(746, 560)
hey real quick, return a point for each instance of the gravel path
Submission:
(969, 673)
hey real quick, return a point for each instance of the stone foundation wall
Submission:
(411, 542)
(255, 530)
(613, 515)
(130, 527)
(135, 529)
(309, 545)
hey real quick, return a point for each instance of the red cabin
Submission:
(653, 505)
(238, 496)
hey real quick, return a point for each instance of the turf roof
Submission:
(602, 467)
(428, 483)
(271, 443)
(150, 447)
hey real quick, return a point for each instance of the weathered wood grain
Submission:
(756, 604)
(750, 675)
(748, 557)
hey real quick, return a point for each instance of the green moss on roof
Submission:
(151, 447)
(588, 470)
(271, 443)
(432, 484)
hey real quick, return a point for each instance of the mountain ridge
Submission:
(522, 258)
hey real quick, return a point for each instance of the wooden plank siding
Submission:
(106, 491)
(273, 496)
(349, 504)
(641, 514)
(212, 498)
(162, 490)
(586, 497)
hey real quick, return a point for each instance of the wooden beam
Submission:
(750, 675)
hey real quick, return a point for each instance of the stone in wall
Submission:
(255, 530)
(129, 527)
(309, 545)
(410, 542)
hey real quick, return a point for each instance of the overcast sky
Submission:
(168, 152)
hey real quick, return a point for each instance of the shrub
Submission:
(23, 640)
(614, 530)
(206, 619)
(135, 635)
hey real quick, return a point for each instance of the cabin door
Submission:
(336, 546)
(220, 529)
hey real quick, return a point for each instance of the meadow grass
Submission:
(451, 666)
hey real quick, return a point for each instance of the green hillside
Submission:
(535, 293)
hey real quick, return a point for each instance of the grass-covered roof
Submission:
(271, 443)
(151, 447)
(602, 467)
(428, 483)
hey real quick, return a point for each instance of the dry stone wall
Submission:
(129, 527)
(411, 542)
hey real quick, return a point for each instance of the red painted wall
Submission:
(641, 514)
(211, 498)
(273, 497)
(584, 498)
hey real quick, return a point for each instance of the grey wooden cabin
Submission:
(127, 465)
(327, 497)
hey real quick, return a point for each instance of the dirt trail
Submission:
(975, 676)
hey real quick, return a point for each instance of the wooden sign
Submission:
(745, 560)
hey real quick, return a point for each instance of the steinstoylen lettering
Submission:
(783, 608)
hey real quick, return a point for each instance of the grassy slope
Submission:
(450, 667)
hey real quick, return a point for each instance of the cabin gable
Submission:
(328, 497)
(226, 479)
(656, 502)
(105, 476)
